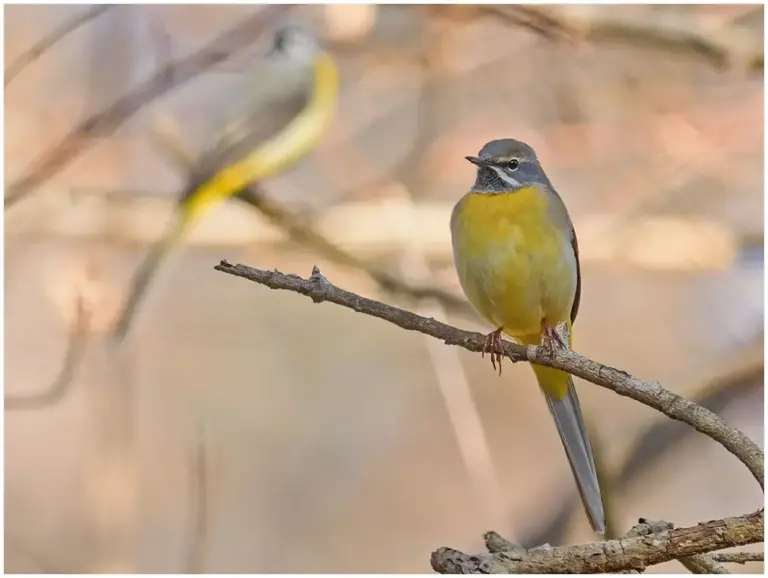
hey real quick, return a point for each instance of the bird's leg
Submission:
(550, 337)
(494, 345)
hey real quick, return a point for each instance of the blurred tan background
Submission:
(244, 430)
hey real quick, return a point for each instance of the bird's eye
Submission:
(513, 164)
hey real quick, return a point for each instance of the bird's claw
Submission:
(551, 338)
(494, 345)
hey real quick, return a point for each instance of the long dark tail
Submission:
(570, 425)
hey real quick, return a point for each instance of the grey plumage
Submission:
(570, 425)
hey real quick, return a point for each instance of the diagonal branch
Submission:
(650, 393)
(169, 76)
(49, 40)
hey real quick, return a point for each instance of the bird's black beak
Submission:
(478, 161)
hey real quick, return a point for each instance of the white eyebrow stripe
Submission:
(504, 176)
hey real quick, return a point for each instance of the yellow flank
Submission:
(297, 139)
(516, 267)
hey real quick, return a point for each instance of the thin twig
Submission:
(650, 393)
(76, 345)
(738, 557)
(48, 41)
(169, 76)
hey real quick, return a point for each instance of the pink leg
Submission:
(550, 338)
(494, 345)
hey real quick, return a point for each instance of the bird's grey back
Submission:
(281, 87)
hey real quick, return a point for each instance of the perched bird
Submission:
(295, 94)
(517, 259)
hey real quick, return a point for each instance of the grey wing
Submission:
(250, 131)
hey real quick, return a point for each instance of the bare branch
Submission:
(301, 231)
(48, 41)
(632, 553)
(650, 393)
(738, 557)
(698, 564)
(74, 353)
(644, 527)
(169, 76)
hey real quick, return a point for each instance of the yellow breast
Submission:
(515, 266)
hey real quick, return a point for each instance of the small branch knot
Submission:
(321, 285)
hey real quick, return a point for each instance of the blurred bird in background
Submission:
(517, 259)
(294, 98)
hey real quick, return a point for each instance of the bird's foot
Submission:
(494, 345)
(552, 336)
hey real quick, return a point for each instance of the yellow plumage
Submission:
(516, 267)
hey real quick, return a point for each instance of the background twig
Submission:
(47, 42)
(76, 345)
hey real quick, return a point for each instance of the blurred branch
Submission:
(629, 553)
(645, 30)
(365, 228)
(199, 524)
(47, 42)
(75, 349)
(662, 436)
(106, 121)
(650, 393)
(452, 382)
(536, 20)
(739, 557)
(301, 231)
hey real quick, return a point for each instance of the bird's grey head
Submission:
(295, 45)
(506, 165)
